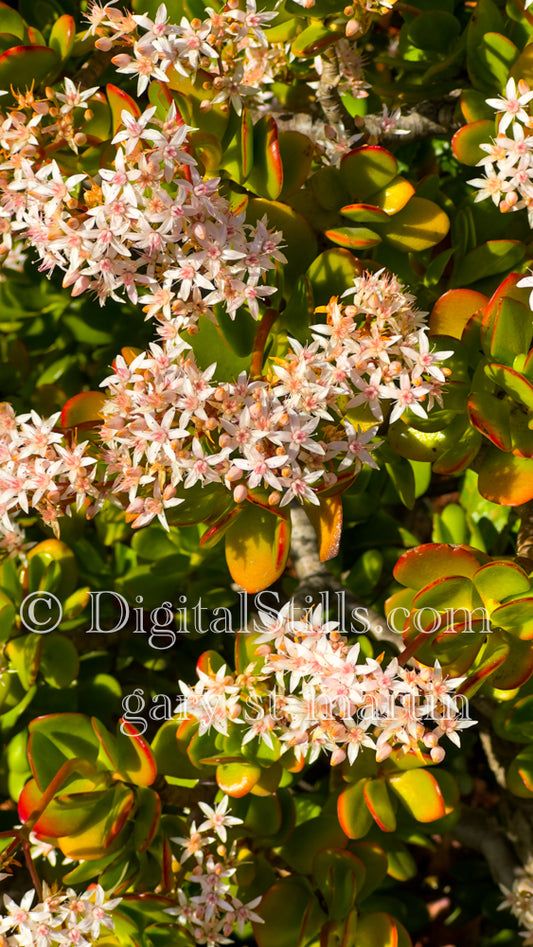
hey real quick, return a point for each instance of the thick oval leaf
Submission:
(419, 225)
(257, 547)
(339, 876)
(367, 170)
(266, 177)
(327, 523)
(377, 930)
(62, 816)
(147, 817)
(332, 272)
(107, 818)
(83, 409)
(505, 478)
(491, 416)
(354, 238)
(312, 40)
(21, 66)
(466, 143)
(512, 382)
(436, 30)
(11, 21)
(364, 213)
(420, 793)
(452, 311)
(311, 837)
(394, 196)
(520, 773)
(352, 811)
(238, 778)
(61, 38)
(423, 564)
(136, 763)
(449, 591)
(490, 258)
(378, 800)
(296, 151)
(60, 662)
(516, 616)
(290, 912)
(497, 581)
(120, 101)
(300, 246)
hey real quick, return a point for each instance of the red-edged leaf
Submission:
(237, 779)
(467, 141)
(452, 311)
(420, 793)
(136, 762)
(257, 547)
(506, 479)
(83, 409)
(367, 171)
(380, 930)
(378, 800)
(423, 564)
(352, 811)
(516, 616)
(491, 416)
(63, 816)
(120, 101)
(326, 520)
(215, 532)
(266, 176)
(447, 591)
(107, 818)
(394, 196)
(364, 213)
(353, 238)
(21, 66)
(147, 817)
(496, 581)
(61, 38)
(210, 662)
(107, 742)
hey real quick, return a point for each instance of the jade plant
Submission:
(265, 453)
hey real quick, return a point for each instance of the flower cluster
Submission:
(146, 223)
(41, 469)
(214, 913)
(168, 426)
(508, 165)
(68, 918)
(230, 46)
(311, 694)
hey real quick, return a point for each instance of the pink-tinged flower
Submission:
(424, 359)
(489, 186)
(217, 818)
(144, 509)
(406, 396)
(260, 468)
(512, 104)
(135, 129)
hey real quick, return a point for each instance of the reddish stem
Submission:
(33, 873)
(267, 321)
